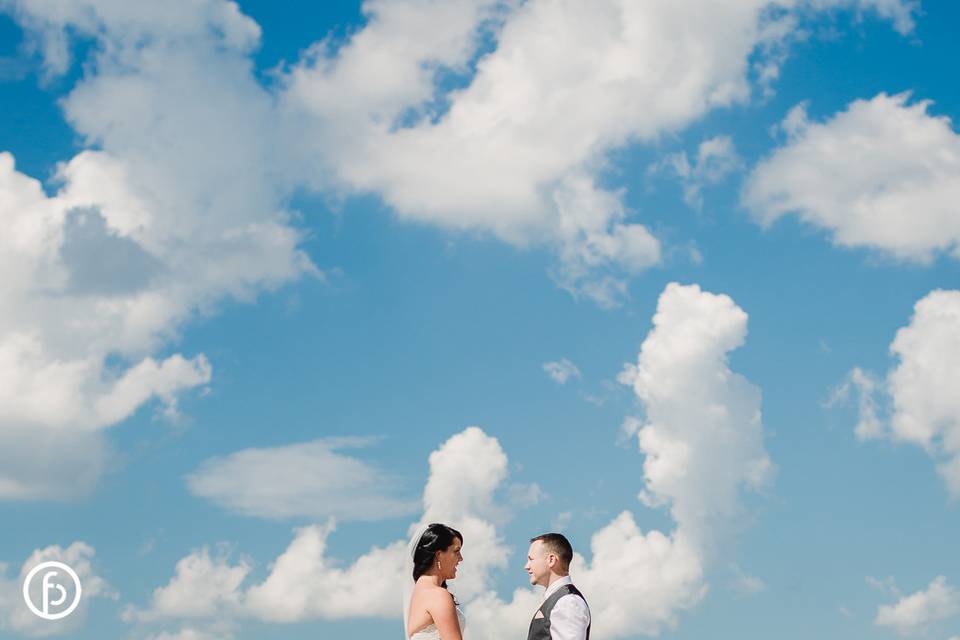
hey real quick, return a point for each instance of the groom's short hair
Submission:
(557, 544)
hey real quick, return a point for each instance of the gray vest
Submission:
(540, 627)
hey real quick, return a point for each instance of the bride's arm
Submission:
(444, 615)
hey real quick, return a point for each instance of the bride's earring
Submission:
(439, 568)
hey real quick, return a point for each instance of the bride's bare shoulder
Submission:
(435, 596)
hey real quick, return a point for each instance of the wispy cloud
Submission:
(305, 480)
(561, 371)
(716, 158)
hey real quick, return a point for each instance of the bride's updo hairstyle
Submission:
(437, 537)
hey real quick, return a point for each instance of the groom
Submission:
(564, 614)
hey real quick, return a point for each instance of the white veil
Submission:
(407, 584)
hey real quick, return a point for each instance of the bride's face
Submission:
(449, 559)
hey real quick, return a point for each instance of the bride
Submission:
(431, 612)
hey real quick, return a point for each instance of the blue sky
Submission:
(386, 239)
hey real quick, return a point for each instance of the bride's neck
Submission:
(430, 578)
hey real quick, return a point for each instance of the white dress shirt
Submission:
(570, 616)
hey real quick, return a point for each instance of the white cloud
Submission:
(926, 407)
(303, 584)
(14, 614)
(562, 521)
(56, 390)
(631, 425)
(887, 585)
(520, 496)
(520, 149)
(49, 464)
(900, 12)
(703, 434)
(883, 174)
(172, 213)
(39, 389)
(702, 440)
(914, 613)
(561, 371)
(657, 576)
(869, 423)
(596, 248)
(919, 393)
(309, 479)
(628, 374)
(306, 584)
(127, 25)
(490, 618)
(203, 586)
(744, 583)
(716, 159)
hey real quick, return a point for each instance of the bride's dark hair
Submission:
(437, 537)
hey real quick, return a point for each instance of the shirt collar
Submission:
(556, 585)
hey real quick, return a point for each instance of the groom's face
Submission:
(538, 564)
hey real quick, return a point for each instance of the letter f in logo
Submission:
(46, 592)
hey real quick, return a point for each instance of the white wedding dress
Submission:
(430, 632)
